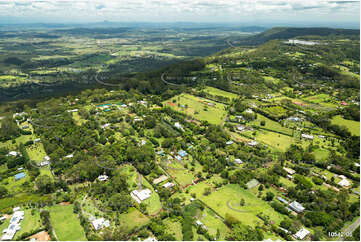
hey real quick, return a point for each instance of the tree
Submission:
(230, 220)
(260, 188)
(263, 123)
(3, 192)
(242, 232)
(242, 202)
(120, 202)
(269, 196)
(45, 184)
(207, 191)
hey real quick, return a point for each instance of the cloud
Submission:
(180, 10)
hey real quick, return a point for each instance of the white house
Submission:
(178, 125)
(140, 196)
(168, 184)
(307, 136)
(241, 128)
(13, 153)
(103, 178)
(238, 161)
(344, 183)
(230, 142)
(302, 233)
(47, 158)
(44, 163)
(289, 170)
(100, 223)
(37, 140)
(69, 156)
(253, 143)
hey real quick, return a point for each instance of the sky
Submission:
(303, 12)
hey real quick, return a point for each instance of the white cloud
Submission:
(180, 10)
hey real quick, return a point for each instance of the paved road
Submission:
(352, 227)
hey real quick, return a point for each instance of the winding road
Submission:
(349, 230)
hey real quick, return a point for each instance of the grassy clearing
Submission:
(36, 152)
(277, 141)
(31, 222)
(22, 198)
(232, 194)
(209, 219)
(270, 124)
(352, 126)
(133, 218)
(218, 92)
(66, 223)
(199, 108)
(15, 186)
(78, 120)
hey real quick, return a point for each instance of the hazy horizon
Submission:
(344, 14)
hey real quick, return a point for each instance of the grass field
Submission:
(277, 141)
(133, 218)
(270, 124)
(352, 126)
(15, 186)
(31, 222)
(231, 194)
(198, 108)
(209, 219)
(218, 92)
(66, 223)
(22, 198)
(36, 152)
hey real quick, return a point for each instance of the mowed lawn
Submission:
(352, 126)
(270, 124)
(232, 194)
(218, 92)
(199, 108)
(31, 222)
(66, 223)
(36, 152)
(275, 140)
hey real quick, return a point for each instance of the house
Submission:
(249, 110)
(301, 234)
(47, 158)
(150, 239)
(252, 143)
(182, 153)
(13, 153)
(160, 179)
(230, 142)
(100, 223)
(141, 195)
(69, 156)
(103, 178)
(2, 218)
(199, 223)
(105, 125)
(289, 170)
(14, 226)
(142, 142)
(44, 163)
(307, 136)
(178, 125)
(72, 111)
(168, 185)
(20, 176)
(238, 161)
(178, 157)
(241, 128)
(289, 177)
(297, 207)
(37, 140)
(282, 200)
(161, 153)
(344, 183)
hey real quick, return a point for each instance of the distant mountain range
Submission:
(287, 33)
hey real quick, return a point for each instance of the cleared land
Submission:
(66, 223)
(352, 126)
(199, 108)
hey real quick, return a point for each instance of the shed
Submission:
(20, 176)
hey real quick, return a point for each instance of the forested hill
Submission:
(286, 33)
